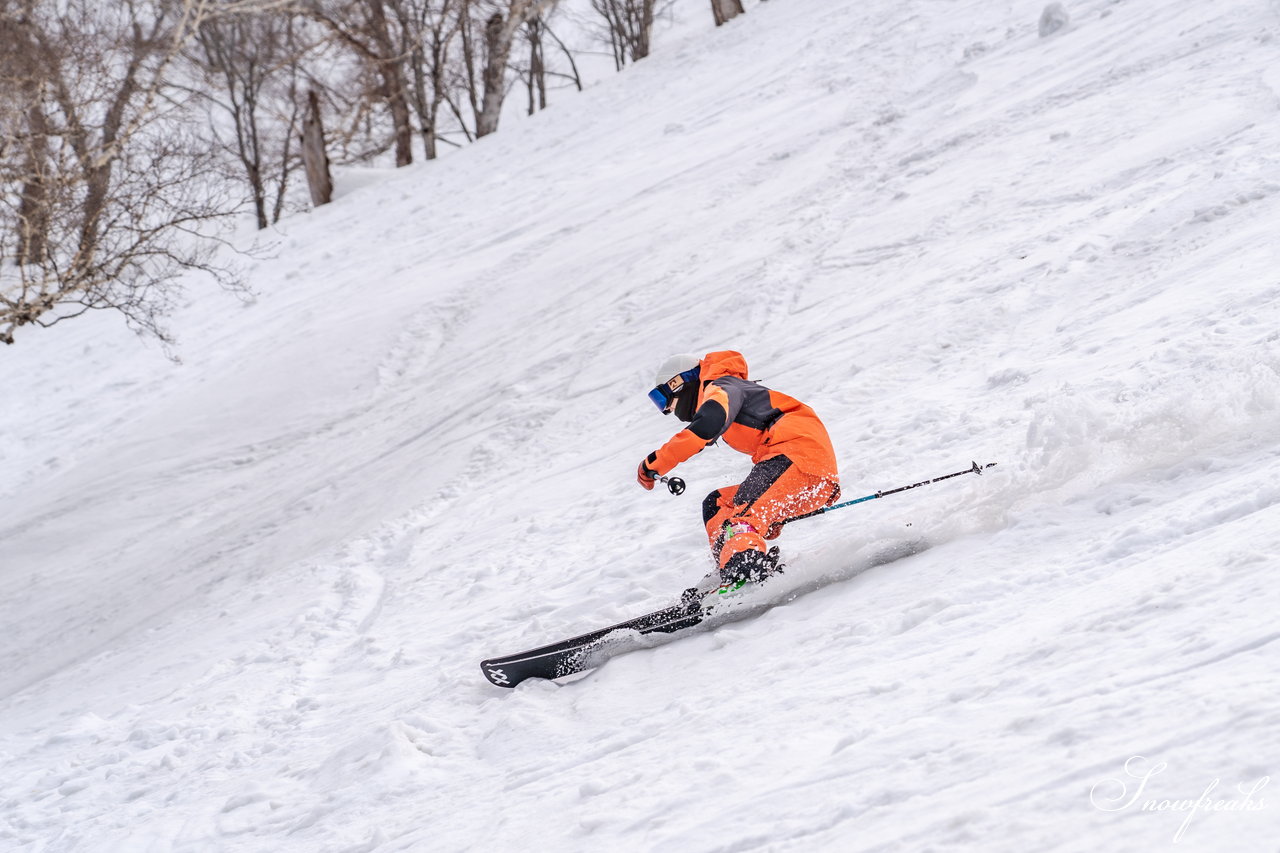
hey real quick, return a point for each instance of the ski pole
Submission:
(975, 469)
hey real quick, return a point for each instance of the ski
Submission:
(587, 651)
(576, 654)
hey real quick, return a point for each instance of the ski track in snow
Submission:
(245, 597)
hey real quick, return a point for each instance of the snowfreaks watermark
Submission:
(1117, 795)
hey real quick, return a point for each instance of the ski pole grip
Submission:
(674, 484)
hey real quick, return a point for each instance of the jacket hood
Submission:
(715, 365)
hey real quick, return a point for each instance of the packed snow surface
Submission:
(244, 597)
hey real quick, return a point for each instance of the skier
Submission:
(795, 465)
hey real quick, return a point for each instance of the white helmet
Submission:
(676, 364)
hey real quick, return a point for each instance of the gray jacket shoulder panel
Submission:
(749, 403)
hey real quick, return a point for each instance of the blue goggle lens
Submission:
(661, 397)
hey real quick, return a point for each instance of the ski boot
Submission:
(765, 566)
(749, 567)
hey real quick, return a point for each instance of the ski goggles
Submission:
(664, 395)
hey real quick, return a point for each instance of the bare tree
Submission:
(726, 10)
(539, 73)
(427, 32)
(26, 103)
(628, 27)
(536, 77)
(499, 33)
(364, 26)
(464, 80)
(113, 200)
(250, 66)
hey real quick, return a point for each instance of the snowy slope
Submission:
(245, 597)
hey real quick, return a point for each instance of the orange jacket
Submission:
(751, 419)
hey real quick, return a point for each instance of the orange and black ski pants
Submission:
(743, 517)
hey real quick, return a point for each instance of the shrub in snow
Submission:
(1053, 18)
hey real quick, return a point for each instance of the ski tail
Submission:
(579, 654)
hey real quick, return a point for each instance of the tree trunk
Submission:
(33, 207)
(644, 32)
(98, 169)
(250, 151)
(469, 63)
(499, 33)
(494, 76)
(537, 69)
(391, 69)
(393, 82)
(726, 10)
(425, 121)
(314, 158)
(282, 181)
